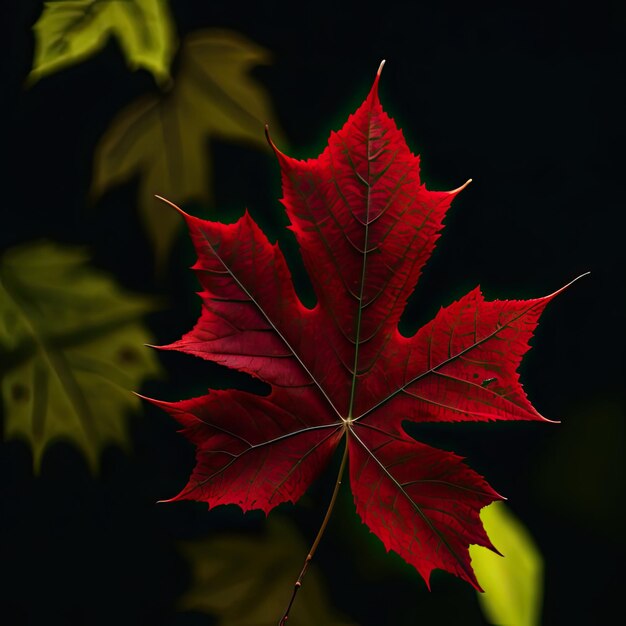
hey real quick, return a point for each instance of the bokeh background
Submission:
(526, 100)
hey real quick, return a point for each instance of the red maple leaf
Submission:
(366, 226)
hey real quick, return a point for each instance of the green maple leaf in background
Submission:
(245, 580)
(71, 348)
(69, 31)
(163, 138)
(513, 585)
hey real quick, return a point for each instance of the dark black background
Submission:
(529, 102)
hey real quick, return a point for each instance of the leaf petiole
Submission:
(329, 510)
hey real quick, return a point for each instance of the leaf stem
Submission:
(333, 499)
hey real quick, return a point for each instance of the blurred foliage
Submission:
(514, 584)
(163, 138)
(71, 344)
(247, 581)
(69, 31)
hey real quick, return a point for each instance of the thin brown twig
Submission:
(298, 584)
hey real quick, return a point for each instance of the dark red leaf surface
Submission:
(366, 225)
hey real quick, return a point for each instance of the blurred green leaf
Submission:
(71, 347)
(247, 581)
(514, 584)
(163, 139)
(69, 31)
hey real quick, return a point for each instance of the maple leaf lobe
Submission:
(366, 225)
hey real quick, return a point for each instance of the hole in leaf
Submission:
(19, 392)
(128, 355)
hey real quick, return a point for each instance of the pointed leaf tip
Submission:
(272, 145)
(281, 156)
(566, 286)
(461, 188)
(174, 206)
(374, 90)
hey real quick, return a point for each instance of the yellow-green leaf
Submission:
(69, 31)
(164, 139)
(247, 581)
(71, 348)
(514, 584)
